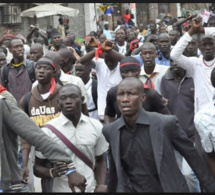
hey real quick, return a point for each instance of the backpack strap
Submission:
(5, 73)
(26, 101)
(30, 68)
(57, 80)
(70, 145)
(94, 92)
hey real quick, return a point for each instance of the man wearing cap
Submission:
(130, 67)
(198, 67)
(41, 106)
(6, 41)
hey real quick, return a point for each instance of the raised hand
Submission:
(107, 46)
(196, 25)
(91, 41)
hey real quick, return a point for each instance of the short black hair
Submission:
(10, 44)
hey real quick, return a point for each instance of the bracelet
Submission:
(71, 165)
(50, 172)
(70, 171)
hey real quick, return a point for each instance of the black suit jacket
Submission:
(166, 135)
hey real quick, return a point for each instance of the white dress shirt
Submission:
(205, 124)
(160, 70)
(88, 138)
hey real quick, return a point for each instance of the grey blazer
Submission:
(166, 135)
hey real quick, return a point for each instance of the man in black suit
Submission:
(142, 148)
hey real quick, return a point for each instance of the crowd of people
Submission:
(133, 113)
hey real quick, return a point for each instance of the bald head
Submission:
(37, 46)
(36, 52)
(132, 81)
(130, 97)
(66, 53)
(163, 35)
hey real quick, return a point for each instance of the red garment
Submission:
(149, 82)
(2, 89)
(127, 17)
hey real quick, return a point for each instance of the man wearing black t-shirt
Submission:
(130, 67)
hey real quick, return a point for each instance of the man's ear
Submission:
(143, 97)
(58, 105)
(82, 98)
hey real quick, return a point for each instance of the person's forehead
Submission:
(207, 40)
(55, 36)
(16, 42)
(43, 65)
(148, 48)
(193, 41)
(36, 48)
(128, 86)
(69, 90)
(163, 37)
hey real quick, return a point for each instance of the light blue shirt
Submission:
(107, 33)
(163, 61)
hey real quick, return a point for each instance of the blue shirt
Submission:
(163, 61)
(107, 34)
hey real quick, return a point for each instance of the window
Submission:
(11, 15)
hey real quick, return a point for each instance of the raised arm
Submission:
(188, 63)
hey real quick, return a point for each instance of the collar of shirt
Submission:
(142, 119)
(89, 83)
(63, 76)
(24, 62)
(170, 76)
(64, 120)
(156, 69)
